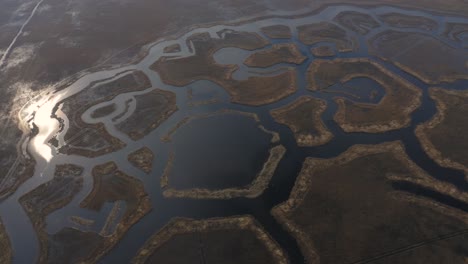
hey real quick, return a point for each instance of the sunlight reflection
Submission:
(39, 115)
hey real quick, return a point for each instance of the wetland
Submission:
(301, 136)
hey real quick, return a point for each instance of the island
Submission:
(173, 48)
(303, 117)
(104, 111)
(142, 158)
(323, 51)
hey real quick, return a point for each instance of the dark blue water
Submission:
(218, 152)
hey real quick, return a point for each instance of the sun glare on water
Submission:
(39, 114)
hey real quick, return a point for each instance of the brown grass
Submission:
(444, 137)
(151, 111)
(392, 112)
(5, 246)
(332, 210)
(81, 137)
(303, 117)
(326, 32)
(263, 90)
(421, 55)
(238, 239)
(142, 159)
(407, 21)
(323, 51)
(201, 65)
(279, 53)
(360, 23)
(277, 31)
(49, 197)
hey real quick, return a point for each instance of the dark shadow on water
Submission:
(218, 152)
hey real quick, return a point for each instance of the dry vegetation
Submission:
(93, 140)
(360, 23)
(345, 209)
(49, 197)
(258, 90)
(326, 32)
(392, 112)
(152, 110)
(142, 159)
(5, 247)
(421, 55)
(263, 90)
(233, 240)
(172, 48)
(303, 117)
(110, 186)
(277, 31)
(456, 31)
(406, 21)
(323, 51)
(445, 136)
(279, 53)
(201, 65)
(103, 111)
